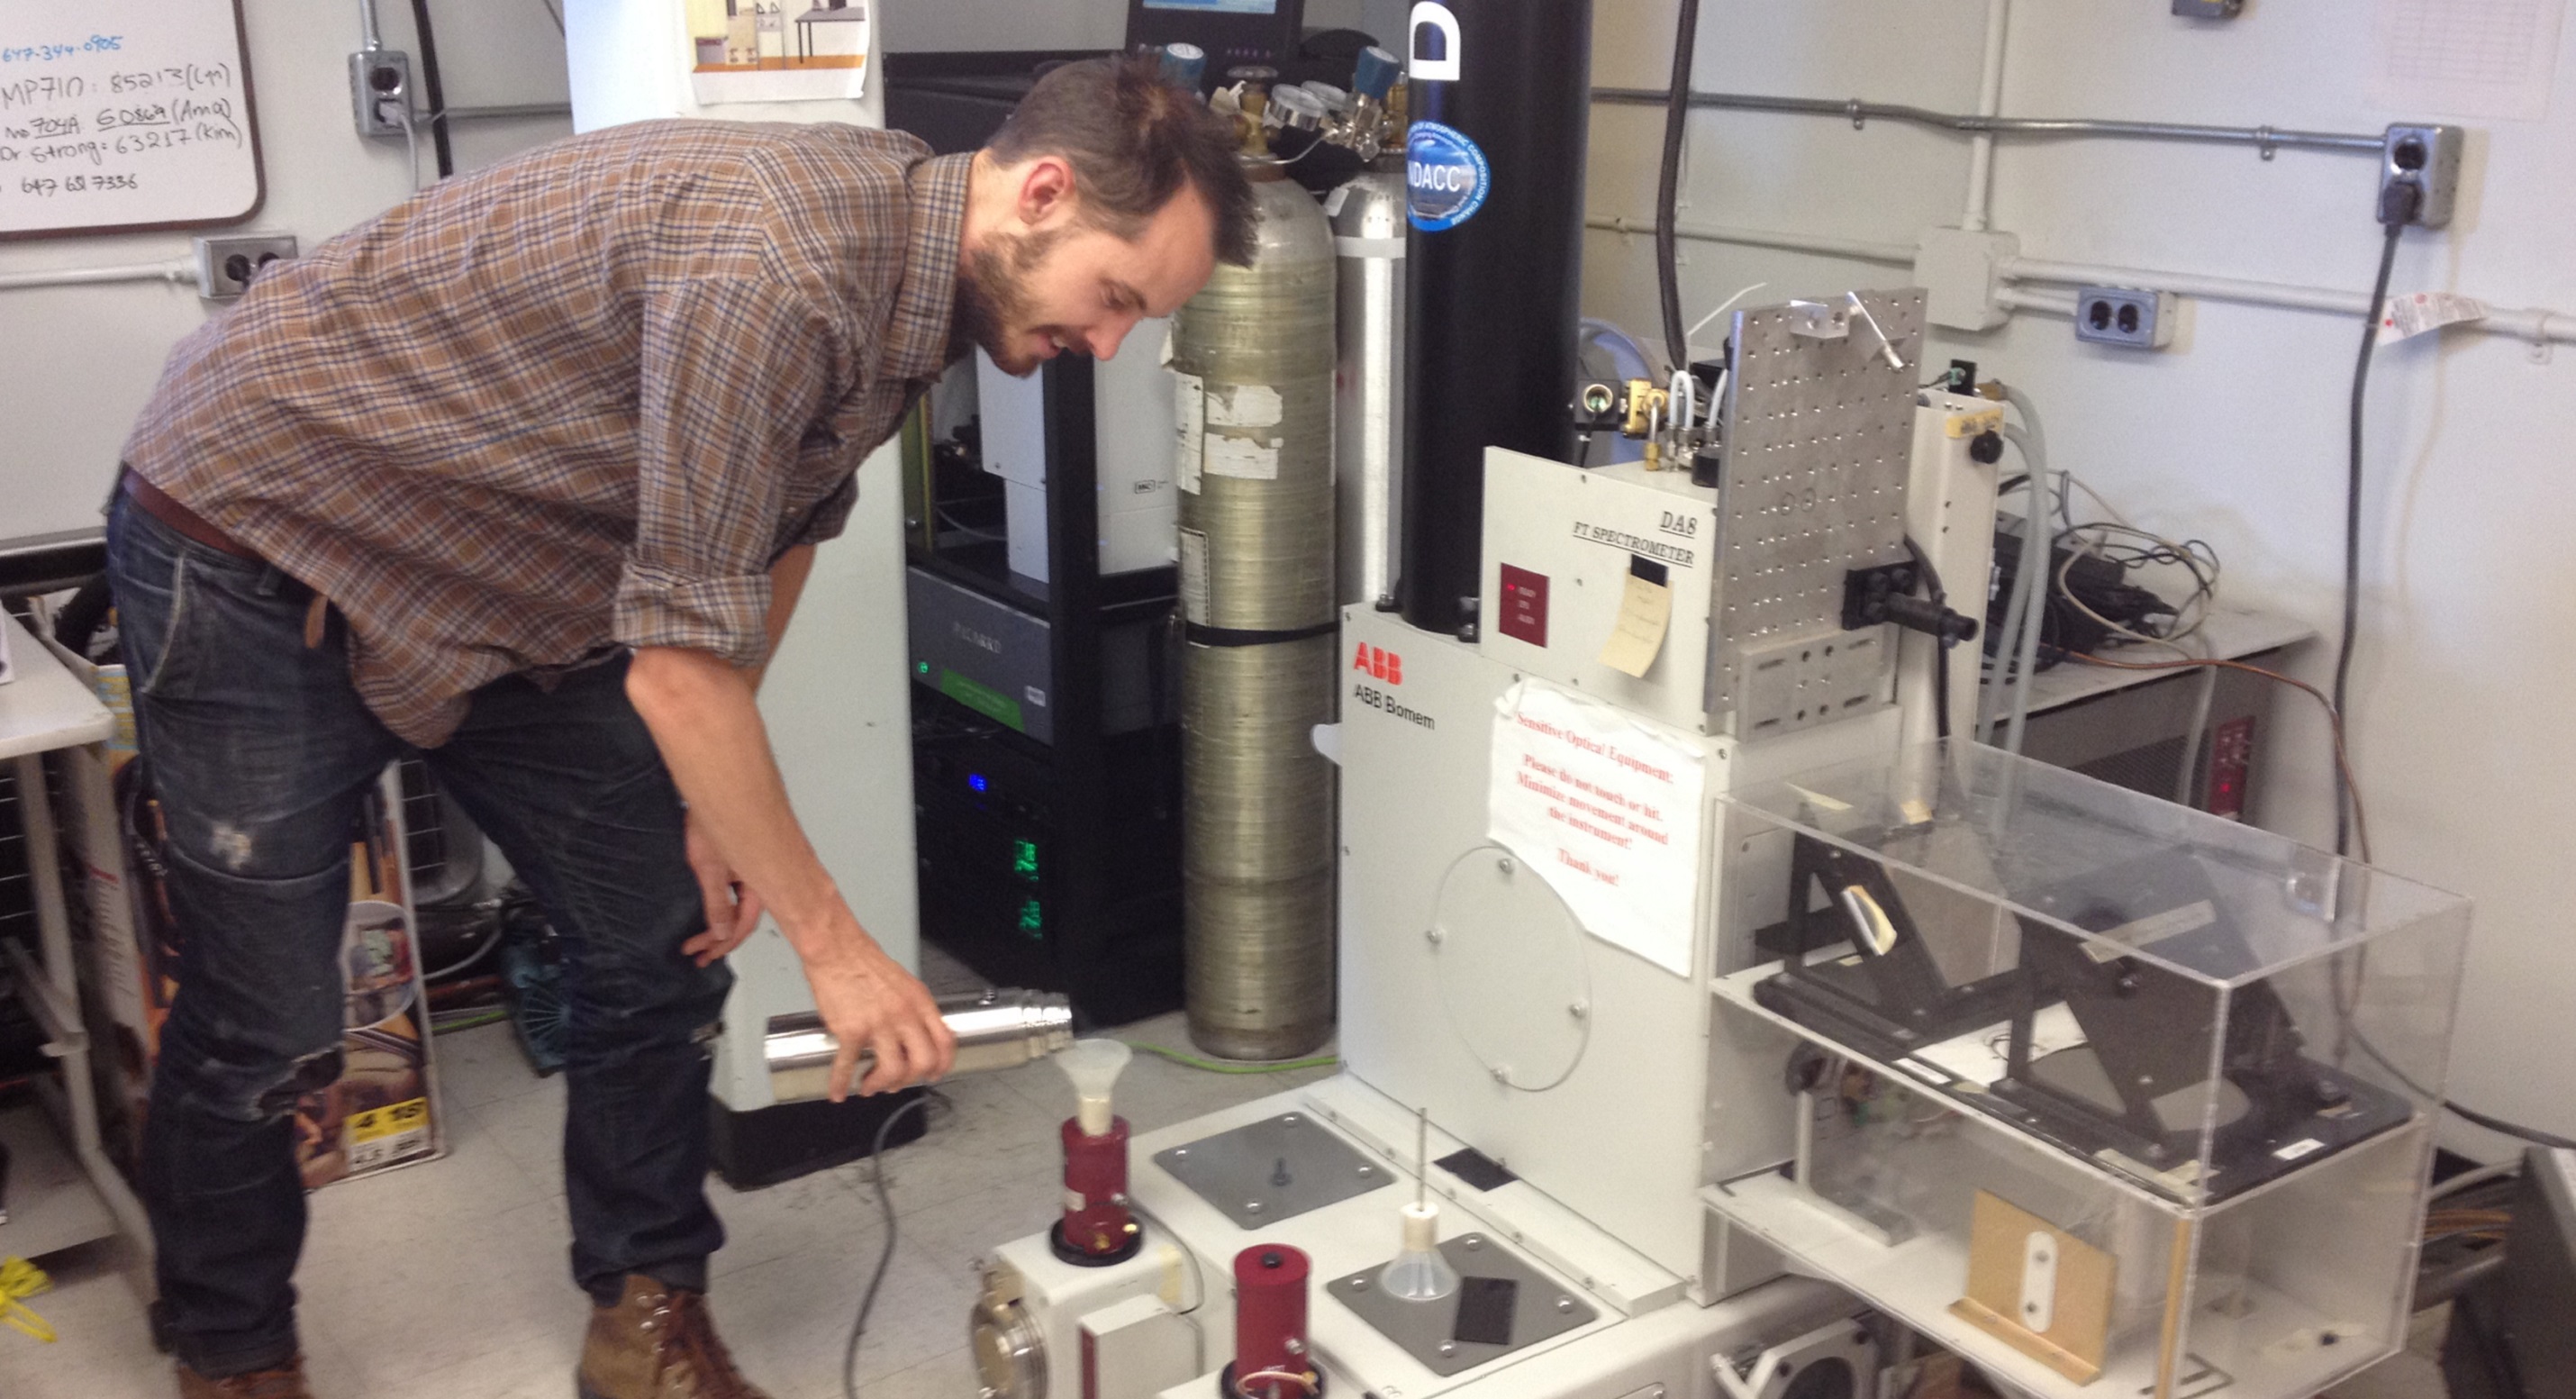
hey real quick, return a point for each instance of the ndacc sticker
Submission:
(1445, 177)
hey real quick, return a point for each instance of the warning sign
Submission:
(1607, 807)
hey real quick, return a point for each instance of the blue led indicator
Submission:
(976, 781)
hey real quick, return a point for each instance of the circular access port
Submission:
(2408, 154)
(2099, 315)
(385, 79)
(2128, 320)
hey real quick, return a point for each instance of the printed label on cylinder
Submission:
(1242, 458)
(1446, 177)
(1194, 576)
(1189, 412)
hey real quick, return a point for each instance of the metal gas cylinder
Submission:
(1253, 356)
(1368, 404)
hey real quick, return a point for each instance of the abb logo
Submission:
(1383, 665)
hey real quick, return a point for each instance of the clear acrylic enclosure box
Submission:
(2112, 1095)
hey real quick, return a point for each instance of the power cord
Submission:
(2397, 207)
(1668, 186)
(2360, 819)
(885, 1255)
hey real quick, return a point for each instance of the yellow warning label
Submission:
(392, 1120)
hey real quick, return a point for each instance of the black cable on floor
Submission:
(885, 1256)
(1668, 187)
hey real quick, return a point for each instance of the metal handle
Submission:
(997, 1029)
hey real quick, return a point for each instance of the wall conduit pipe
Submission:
(2263, 138)
(174, 271)
(2535, 324)
(1990, 101)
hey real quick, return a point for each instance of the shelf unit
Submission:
(55, 1198)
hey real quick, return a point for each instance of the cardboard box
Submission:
(382, 1109)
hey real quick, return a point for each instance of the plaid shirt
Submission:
(578, 401)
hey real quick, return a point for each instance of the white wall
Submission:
(2235, 434)
(77, 363)
(945, 26)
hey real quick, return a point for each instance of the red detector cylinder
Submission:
(1096, 1223)
(1270, 1319)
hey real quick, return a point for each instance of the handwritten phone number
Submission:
(47, 53)
(46, 187)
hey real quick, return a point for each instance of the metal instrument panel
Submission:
(1276, 1169)
(1818, 436)
(1540, 1308)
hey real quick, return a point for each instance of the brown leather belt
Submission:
(157, 503)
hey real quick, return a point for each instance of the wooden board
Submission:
(124, 115)
(2079, 1329)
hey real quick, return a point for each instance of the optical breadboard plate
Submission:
(1818, 435)
(1541, 1309)
(1276, 1169)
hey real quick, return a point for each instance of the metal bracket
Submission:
(2266, 143)
(1886, 346)
(1814, 320)
(2542, 350)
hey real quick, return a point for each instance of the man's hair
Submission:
(1132, 140)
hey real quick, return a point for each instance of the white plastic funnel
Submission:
(1420, 1273)
(1094, 1066)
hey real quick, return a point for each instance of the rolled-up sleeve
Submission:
(732, 372)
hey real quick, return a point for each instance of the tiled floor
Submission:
(449, 1279)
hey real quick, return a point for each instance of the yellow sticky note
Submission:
(1645, 609)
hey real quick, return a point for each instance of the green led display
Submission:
(1024, 858)
(1031, 921)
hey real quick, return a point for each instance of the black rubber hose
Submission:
(1668, 189)
(430, 87)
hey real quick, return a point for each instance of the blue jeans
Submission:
(260, 749)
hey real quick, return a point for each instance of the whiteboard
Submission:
(124, 114)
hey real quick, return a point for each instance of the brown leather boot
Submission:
(284, 1382)
(657, 1343)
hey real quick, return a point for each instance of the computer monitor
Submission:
(1235, 33)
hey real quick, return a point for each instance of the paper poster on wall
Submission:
(778, 50)
(2465, 58)
(1606, 807)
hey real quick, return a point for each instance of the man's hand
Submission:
(868, 1001)
(733, 908)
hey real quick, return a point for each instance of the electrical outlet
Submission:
(2209, 9)
(226, 265)
(380, 90)
(2427, 157)
(2124, 316)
